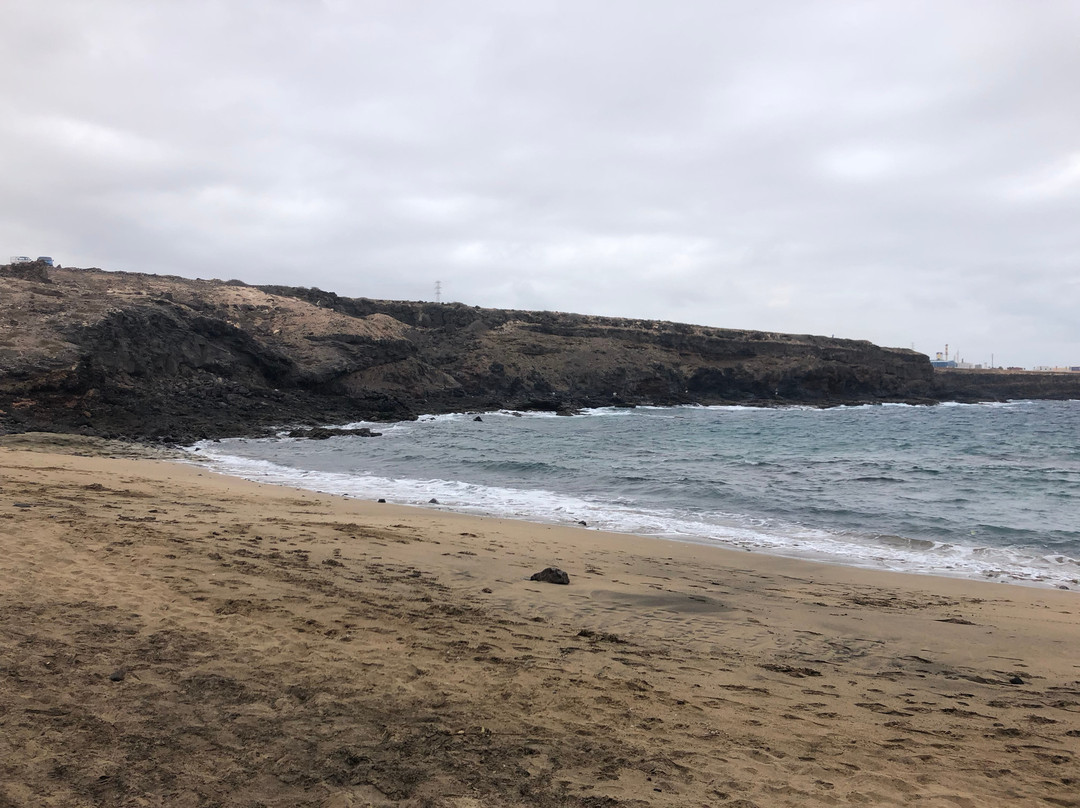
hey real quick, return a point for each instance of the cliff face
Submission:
(142, 355)
(148, 356)
(1001, 385)
(495, 357)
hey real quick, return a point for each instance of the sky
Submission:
(900, 171)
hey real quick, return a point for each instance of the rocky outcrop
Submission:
(121, 354)
(491, 356)
(955, 384)
(126, 354)
(325, 433)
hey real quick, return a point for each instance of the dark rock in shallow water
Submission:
(322, 433)
(478, 418)
(551, 575)
(433, 501)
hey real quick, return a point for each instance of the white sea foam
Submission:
(1012, 565)
(986, 404)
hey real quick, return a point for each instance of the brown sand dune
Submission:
(171, 637)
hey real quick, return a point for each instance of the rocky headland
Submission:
(120, 354)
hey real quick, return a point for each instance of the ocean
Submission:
(987, 491)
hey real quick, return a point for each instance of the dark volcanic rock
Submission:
(169, 359)
(550, 575)
(34, 271)
(1002, 385)
(322, 433)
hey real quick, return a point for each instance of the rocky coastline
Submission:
(173, 360)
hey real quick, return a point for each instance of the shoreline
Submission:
(177, 636)
(820, 558)
(934, 553)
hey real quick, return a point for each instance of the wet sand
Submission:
(172, 637)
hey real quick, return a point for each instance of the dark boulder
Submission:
(550, 575)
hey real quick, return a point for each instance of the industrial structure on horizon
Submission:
(942, 360)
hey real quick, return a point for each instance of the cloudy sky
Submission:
(900, 171)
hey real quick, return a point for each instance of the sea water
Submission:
(989, 491)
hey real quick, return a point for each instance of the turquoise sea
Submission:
(988, 491)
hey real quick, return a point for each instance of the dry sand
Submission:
(171, 637)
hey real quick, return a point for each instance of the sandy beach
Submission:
(173, 637)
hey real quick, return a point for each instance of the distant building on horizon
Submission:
(942, 360)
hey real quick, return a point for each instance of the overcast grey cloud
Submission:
(903, 172)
